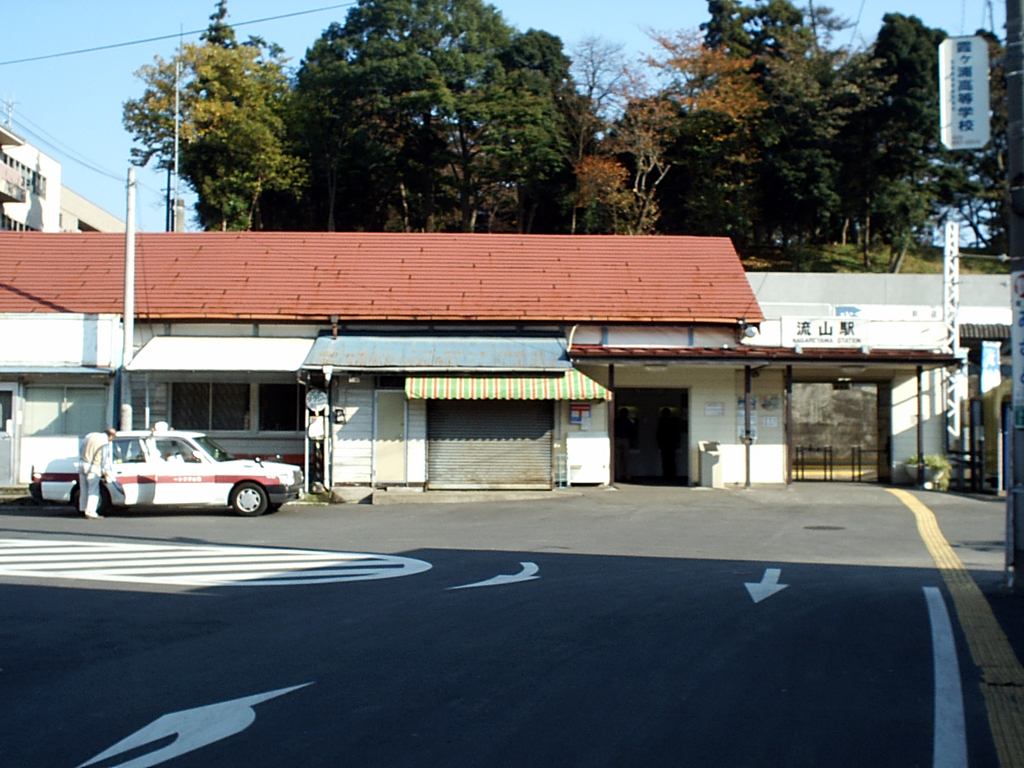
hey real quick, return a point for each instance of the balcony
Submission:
(12, 185)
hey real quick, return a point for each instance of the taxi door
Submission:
(182, 476)
(133, 473)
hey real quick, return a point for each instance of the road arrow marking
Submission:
(192, 729)
(528, 573)
(768, 586)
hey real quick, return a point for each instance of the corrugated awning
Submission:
(439, 354)
(217, 353)
(984, 331)
(573, 385)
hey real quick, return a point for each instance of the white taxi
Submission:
(161, 468)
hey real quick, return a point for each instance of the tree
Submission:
(233, 104)
(586, 104)
(451, 110)
(720, 103)
(644, 132)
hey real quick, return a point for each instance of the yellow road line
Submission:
(1002, 676)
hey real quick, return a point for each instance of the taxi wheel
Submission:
(249, 499)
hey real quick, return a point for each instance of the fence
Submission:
(855, 464)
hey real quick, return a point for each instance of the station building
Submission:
(438, 361)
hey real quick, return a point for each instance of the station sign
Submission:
(824, 331)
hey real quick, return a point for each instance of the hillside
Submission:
(850, 258)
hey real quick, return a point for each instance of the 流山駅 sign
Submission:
(824, 332)
(963, 92)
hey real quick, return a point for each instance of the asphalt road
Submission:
(626, 635)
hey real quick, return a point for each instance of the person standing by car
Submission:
(94, 462)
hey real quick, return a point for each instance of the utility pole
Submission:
(1015, 176)
(129, 303)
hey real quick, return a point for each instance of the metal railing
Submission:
(854, 464)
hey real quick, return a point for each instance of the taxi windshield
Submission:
(218, 453)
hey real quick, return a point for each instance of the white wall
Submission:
(715, 415)
(904, 420)
(416, 443)
(32, 339)
(39, 213)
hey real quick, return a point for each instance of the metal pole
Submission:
(1015, 176)
(789, 425)
(178, 224)
(747, 438)
(613, 404)
(920, 426)
(128, 323)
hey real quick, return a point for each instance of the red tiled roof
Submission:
(290, 276)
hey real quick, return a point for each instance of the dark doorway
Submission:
(652, 436)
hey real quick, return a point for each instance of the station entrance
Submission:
(841, 431)
(652, 436)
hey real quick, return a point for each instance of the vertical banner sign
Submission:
(990, 373)
(1017, 341)
(963, 92)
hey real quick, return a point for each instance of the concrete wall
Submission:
(79, 215)
(38, 213)
(904, 420)
(983, 298)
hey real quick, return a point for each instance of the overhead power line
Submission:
(176, 35)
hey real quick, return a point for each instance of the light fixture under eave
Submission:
(655, 367)
(853, 368)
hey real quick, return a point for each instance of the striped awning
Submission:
(571, 386)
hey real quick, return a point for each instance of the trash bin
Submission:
(710, 464)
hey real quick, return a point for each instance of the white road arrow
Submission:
(528, 573)
(768, 586)
(192, 729)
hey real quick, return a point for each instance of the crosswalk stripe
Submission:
(195, 565)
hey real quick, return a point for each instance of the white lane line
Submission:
(950, 745)
(196, 565)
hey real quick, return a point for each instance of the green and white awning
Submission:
(573, 385)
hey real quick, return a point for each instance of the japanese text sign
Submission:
(963, 92)
(824, 331)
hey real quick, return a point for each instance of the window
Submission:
(128, 451)
(280, 408)
(176, 451)
(203, 406)
(51, 411)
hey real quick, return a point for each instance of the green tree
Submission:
(234, 101)
(450, 110)
(892, 176)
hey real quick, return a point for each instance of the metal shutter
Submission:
(493, 444)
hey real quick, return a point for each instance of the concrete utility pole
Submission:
(128, 321)
(1015, 176)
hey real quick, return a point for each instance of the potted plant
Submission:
(936, 470)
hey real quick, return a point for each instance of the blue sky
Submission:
(70, 107)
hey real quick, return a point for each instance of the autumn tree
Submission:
(234, 98)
